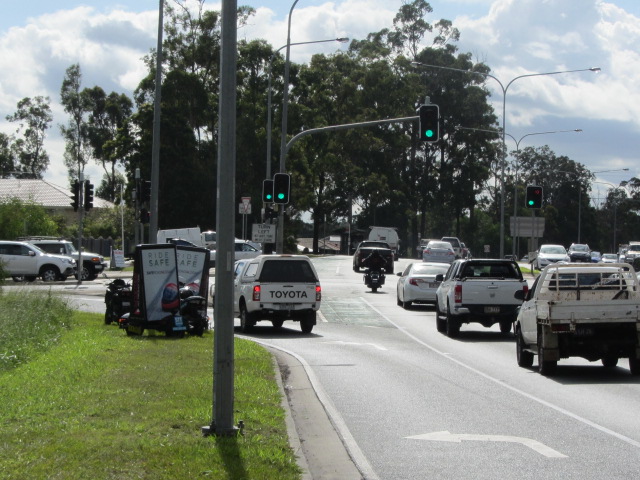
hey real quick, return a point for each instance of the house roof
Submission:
(42, 193)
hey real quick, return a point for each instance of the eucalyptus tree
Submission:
(77, 104)
(34, 117)
(108, 135)
(7, 158)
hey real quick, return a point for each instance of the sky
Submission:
(40, 39)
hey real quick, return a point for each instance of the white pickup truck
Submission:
(478, 290)
(588, 310)
(276, 288)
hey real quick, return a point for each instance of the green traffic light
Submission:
(280, 196)
(530, 202)
(269, 196)
(428, 133)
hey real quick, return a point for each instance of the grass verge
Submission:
(91, 402)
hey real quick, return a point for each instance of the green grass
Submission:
(79, 399)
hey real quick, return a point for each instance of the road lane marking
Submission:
(322, 317)
(340, 342)
(557, 408)
(445, 436)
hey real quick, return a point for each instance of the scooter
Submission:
(117, 300)
(374, 279)
(193, 310)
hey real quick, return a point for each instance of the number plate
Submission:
(584, 332)
(285, 306)
(433, 284)
(492, 309)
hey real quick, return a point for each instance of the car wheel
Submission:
(525, 358)
(452, 325)
(49, 274)
(308, 321)
(609, 361)
(545, 367)
(246, 322)
(441, 324)
(398, 301)
(406, 305)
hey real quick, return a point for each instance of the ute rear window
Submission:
(298, 271)
(492, 270)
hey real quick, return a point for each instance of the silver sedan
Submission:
(417, 283)
(438, 251)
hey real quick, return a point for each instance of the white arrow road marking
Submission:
(459, 437)
(340, 342)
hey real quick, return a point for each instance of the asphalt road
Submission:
(409, 402)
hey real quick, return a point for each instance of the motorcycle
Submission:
(374, 279)
(193, 310)
(117, 299)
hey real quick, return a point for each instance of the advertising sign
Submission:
(193, 269)
(156, 268)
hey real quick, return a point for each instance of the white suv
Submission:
(23, 260)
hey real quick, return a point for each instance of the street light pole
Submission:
(341, 40)
(504, 122)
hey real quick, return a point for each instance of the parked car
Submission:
(596, 257)
(438, 251)
(579, 252)
(21, 260)
(632, 252)
(417, 283)
(609, 258)
(548, 254)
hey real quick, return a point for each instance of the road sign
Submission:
(263, 233)
(526, 226)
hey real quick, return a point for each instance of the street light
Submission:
(504, 122)
(515, 184)
(580, 192)
(341, 40)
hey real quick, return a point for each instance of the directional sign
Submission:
(457, 438)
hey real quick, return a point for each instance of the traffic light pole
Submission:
(280, 232)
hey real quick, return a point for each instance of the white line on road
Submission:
(561, 410)
(340, 342)
(445, 436)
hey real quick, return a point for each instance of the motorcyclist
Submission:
(375, 262)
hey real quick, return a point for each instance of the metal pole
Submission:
(223, 359)
(155, 149)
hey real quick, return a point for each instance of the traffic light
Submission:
(534, 196)
(88, 195)
(145, 191)
(281, 188)
(75, 189)
(269, 214)
(145, 216)
(267, 191)
(429, 123)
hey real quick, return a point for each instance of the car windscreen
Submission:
(553, 250)
(298, 271)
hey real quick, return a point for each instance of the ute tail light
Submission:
(427, 251)
(256, 293)
(457, 294)
(318, 293)
(525, 290)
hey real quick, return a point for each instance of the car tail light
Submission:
(413, 281)
(457, 294)
(318, 293)
(256, 293)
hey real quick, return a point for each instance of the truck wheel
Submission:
(525, 359)
(246, 322)
(609, 361)
(634, 366)
(453, 325)
(441, 325)
(277, 323)
(545, 367)
(49, 274)
(307, 322)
